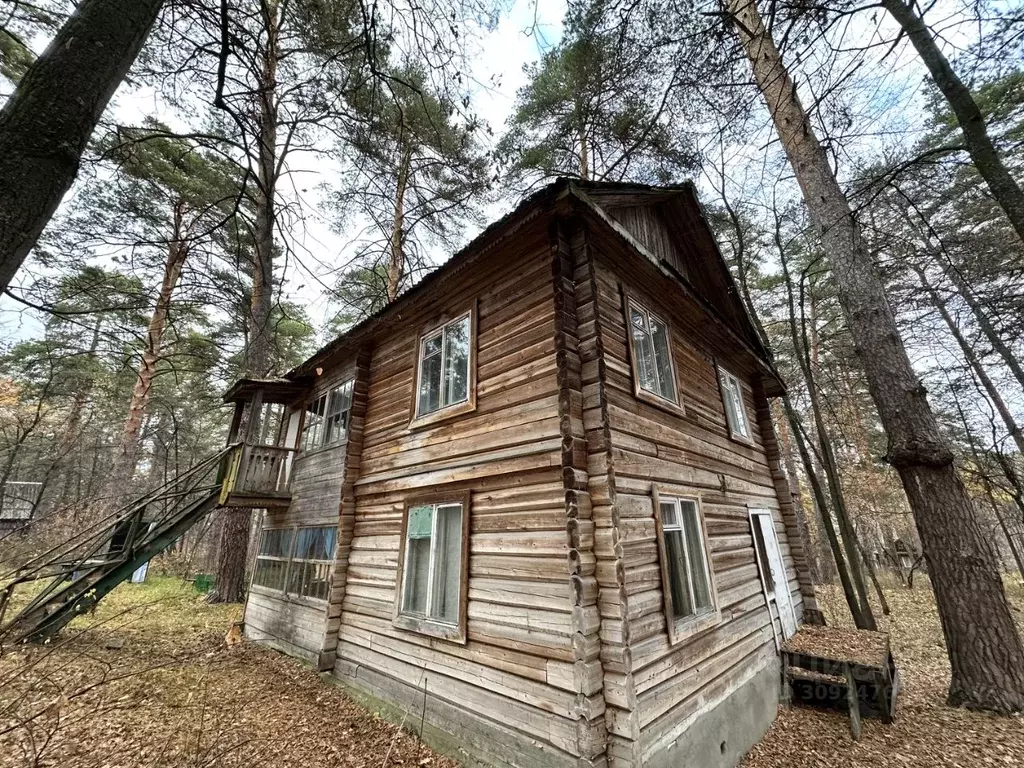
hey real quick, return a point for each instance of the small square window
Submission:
(445, 357)
(735, 411)
(651, 345)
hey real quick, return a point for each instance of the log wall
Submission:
(655, 689)
(511, 693)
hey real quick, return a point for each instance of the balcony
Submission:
(257, 476)
(263, 439)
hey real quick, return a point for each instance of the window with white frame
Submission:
(686, 572)
(735, 411)
(296, 561)
(432, 567)
(327, 417)
(652, 352)
(444, 361)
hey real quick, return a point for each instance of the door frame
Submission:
(772, 596)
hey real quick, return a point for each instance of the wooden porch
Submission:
(257, 476)
(263, 441)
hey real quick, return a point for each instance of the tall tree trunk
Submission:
(235, 522)
(396, 262)
(584, 154)
(985, 651)
(972, 361)
(71, 433)
(806, 353)
(45, 126)
(1001, 184)
(127, 452)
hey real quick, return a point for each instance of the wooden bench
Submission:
(835, 665)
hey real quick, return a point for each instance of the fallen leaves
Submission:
(926, 733)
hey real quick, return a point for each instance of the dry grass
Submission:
(926, 732)
(173, 695)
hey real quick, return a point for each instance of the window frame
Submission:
(723, 375)
(420, 624)
(685, 627)
(425, 333)
(285, 593)
(630, 302)
(325, 395)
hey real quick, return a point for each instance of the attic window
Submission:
(735, 410)
(652, 352)
(445, 357)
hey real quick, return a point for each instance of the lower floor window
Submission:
(686, 568)
(296, 561)
(432, 568)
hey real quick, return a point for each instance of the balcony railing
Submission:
(257, 475)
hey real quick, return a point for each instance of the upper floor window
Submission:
(652, 353)
(735, 410)
(444, 366)
(686, 574)
(432, 568)
(327, 417)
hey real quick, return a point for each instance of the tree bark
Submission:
(985, 651)
(396, 262)
(235, 522)
(128, 449)
(46, 124)
(1001, 184)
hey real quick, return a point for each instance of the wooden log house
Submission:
(537, 501)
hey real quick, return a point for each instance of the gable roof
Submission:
(710, 281)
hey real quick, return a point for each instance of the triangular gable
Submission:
(669, 226)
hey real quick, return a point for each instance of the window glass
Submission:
(327, 417)
(652, 353)
(444, 367)
(689, 581)
(735, 411)
(432, 572)
(296, 561)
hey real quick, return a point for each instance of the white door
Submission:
(773, 571)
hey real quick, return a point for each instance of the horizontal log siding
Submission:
(517, 674)
(290, 625)
(666, 686)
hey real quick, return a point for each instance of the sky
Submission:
(523, 33)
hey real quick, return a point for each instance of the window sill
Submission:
(742, 440)
(658, 402)
(436, 629)
(443, 414)
(690, 627)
